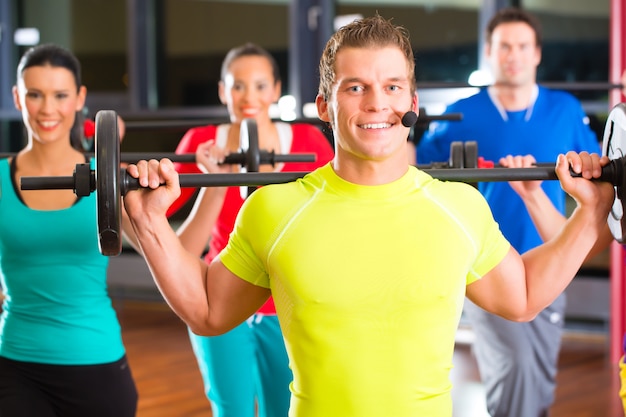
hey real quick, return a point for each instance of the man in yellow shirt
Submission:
(368, 259)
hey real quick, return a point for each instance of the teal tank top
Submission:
(57, 309)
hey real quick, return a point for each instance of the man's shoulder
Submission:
(562, 102)
(553, 95)
(277, 203)
(471, 101)
(297, 188)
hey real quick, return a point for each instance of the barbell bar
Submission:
(110, 182)
(240, 158)
(128, 183)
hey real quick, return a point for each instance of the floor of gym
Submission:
(169, 382)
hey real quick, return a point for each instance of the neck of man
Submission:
(514, 97)
(370, 172)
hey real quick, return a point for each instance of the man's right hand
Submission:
(159, 184)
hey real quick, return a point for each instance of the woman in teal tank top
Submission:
(61, 349)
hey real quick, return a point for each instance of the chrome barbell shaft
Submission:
(610, 174)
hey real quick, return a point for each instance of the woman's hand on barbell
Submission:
(210, 158)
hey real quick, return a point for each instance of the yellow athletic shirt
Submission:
(369, 283)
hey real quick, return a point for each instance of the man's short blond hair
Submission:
(370, 32)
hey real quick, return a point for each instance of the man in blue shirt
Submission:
(515, 116)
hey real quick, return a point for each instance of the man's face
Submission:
(513, 54)
(370, 95)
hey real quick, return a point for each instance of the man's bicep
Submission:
(232, 300)
(502, 290)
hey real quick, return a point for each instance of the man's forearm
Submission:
(179, 275)
(552, 266)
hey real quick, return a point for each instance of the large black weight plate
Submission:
(614, 146)
(108, 194)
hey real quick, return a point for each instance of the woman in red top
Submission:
(248, 366)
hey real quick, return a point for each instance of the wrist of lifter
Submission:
(589, 218)
(148, 223)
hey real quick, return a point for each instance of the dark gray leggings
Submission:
(32, 389)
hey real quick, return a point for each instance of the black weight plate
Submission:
(470, 154)
(249, 145)
(108, 195)
(457, 155)
(614, 146)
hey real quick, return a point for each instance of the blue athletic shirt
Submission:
(57, 309)
(554, 124)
